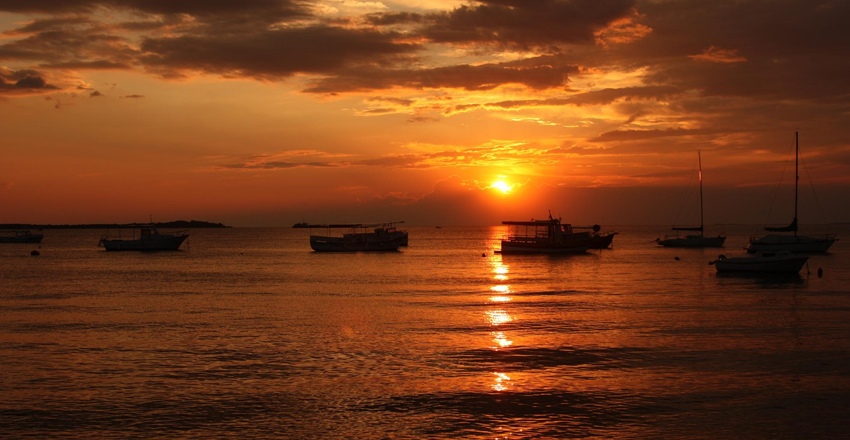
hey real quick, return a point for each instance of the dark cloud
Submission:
(133, 96)
(422, 119)
(273, 165)
(273, 54)
(515, 23)
(596, 97)
(193, 7)
(71, 49)
(23, 82)
(535, 73)
(630, 135)
(87, 65)
(397, 101)
(95, 94)
(48, 24)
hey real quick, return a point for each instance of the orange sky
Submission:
(266, 112)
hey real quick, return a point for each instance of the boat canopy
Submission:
(532, 223)
(790, 228)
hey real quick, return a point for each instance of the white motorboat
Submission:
(762, 262)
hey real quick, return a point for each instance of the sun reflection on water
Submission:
(502, 380)
(501, 288)
(500, 299)
(496, 317)
(501, 340)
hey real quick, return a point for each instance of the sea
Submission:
(247, 333)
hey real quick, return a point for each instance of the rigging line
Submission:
(812, 185)
(684, 196)
(776, 191)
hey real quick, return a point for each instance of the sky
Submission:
(268, 112)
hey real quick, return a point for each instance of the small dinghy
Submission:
(762, 262)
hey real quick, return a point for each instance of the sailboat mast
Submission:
(701, 219)
(796, 176)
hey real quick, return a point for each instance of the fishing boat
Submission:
(791, 243)
(148, 239)
(600, 240)
(360, 237)
(544, 237)
(697, 240)
(22, 236)
(762, 262)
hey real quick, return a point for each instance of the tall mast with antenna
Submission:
(796, 176)
(701, 219)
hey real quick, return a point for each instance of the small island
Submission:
(181, 224)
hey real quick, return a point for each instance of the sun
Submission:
(502, 186)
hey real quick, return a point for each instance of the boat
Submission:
(149, 239)
(792, 243)
(302, 225)
(361, 237)
(600, 240)
(21, 236)
(697, 240)
(544, 237)
(762, 262)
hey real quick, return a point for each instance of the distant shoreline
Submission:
(166, 225)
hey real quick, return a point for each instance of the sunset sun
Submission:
(502, 186)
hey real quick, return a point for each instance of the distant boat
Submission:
(438, 227)
(544, 237)
(698, 240)
(359, 238)
(600, 240)
(149, 239)
(22, 236)
(765, 262)
(791, 243)
(302, 225)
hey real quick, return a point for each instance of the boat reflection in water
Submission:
(361, 237)
(544, 237)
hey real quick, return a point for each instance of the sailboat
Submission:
(698, 240)
(791, 243)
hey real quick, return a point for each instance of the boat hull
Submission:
(35, 238)
(694, 241)
(792, 265)
(790, 243)
(162, 243)
(514, 248)
(602, 241)
(336, 244)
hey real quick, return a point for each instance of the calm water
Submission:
(247, 333)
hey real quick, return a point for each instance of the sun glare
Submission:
(502, 186)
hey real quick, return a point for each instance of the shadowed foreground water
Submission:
(250, 334)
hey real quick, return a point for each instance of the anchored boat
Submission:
(601, 240)
(23, 236)
(764, 262)
(791, 243)
(359, 238)
(148, 239)
(544, 237)
(698, 240)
